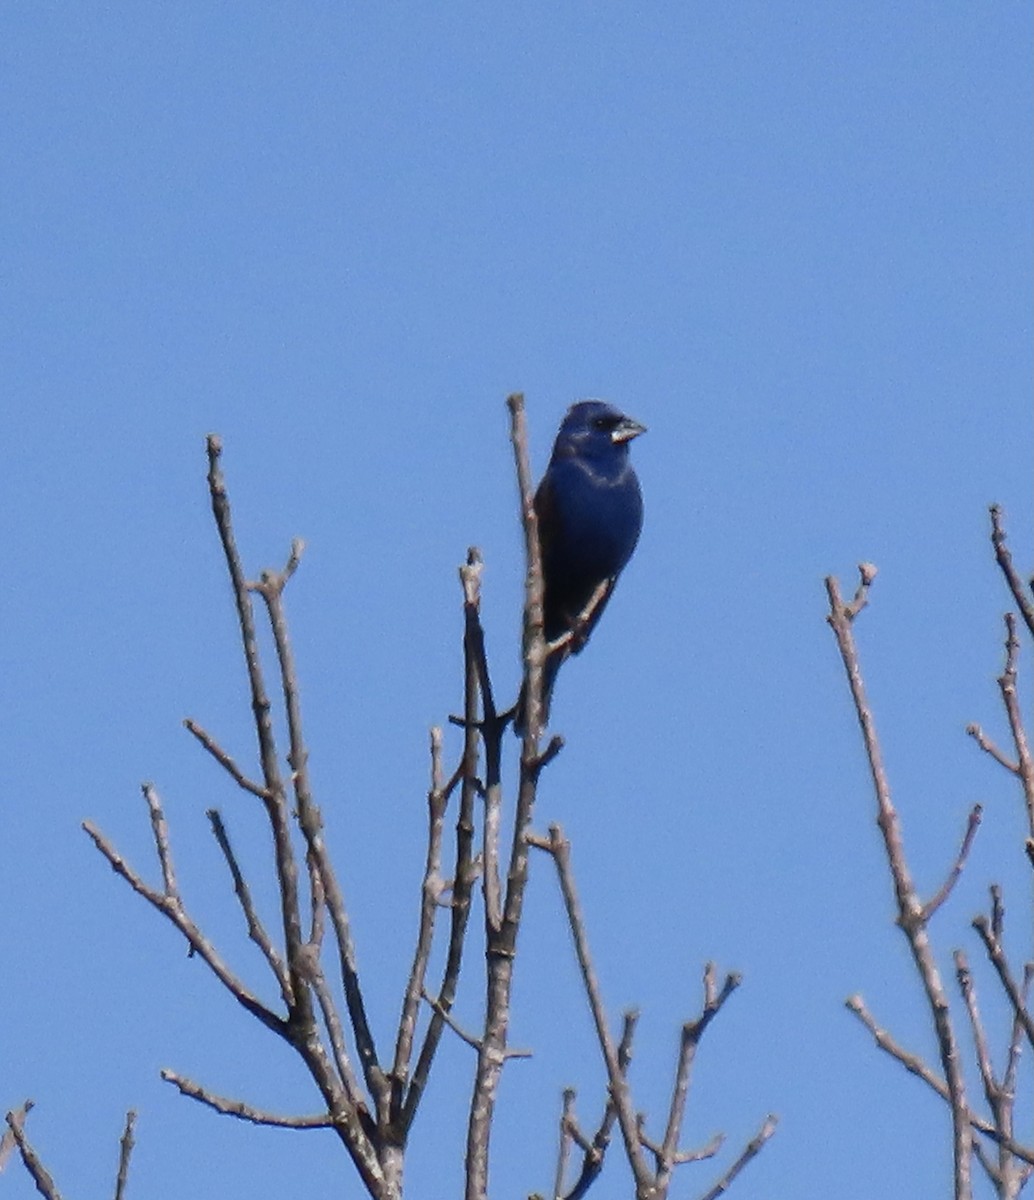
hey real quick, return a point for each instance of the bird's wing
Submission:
(547, 514)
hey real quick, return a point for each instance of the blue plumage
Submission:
(590, 512)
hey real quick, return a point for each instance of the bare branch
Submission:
(1007, 683)
(996, 954)
(707, 1150)
(911, 916)
(125, 1151)
(7, 1142)
(1015, 1041)
(594, 1151)
(245, 1112)
(465, 872)
(45, 1184)
(1004, 559)
(535, 649)
(750, 1151)
(430, 893)
(692, 1031)
(969, 995)
(334, 1027)
(569, 1132)
(1000, 1095)
(972, 824)
(501, 945)
(170, 905)
(474, 1042)
(225, 761)
(274, 792)
(915, 1066)
(271, 588)
(989, 747)
(256, 930)
(559, 848)
(997, 911)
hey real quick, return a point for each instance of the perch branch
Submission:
(501, 947)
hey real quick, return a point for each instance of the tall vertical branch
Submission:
(474, 672)
(310, 820)
(501, 934)
(275, 798)
(911, 914)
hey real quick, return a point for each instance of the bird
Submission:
(590, 513)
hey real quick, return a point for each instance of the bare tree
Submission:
(1006, 1162)
(369, 1096)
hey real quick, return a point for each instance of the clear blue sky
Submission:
(795, 241)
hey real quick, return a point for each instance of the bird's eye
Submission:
(604, 423)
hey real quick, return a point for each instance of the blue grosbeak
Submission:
(590, 511)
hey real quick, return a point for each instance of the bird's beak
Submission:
(626, 431)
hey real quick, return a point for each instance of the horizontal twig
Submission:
(245, 1112)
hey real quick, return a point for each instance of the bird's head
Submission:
(596, 430)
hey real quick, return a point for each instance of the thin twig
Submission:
(692, 1031)
(942, 894)
(1007, 684)
(996, 954)
(125, 1151)
(475, 1043)
(990, 747)
(569, 1132)
(750, 1151)
(273, 792)
(245, 1112)
(911, 916)
(967, 987)
(224, 760)
(171, 906)
(256, 930)
(559, 849)
(430, 893)
(310, 821)
(45, 1184)
(594, 1153)
(465, 872)
(1004, 559)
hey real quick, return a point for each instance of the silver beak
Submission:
(627, 430)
